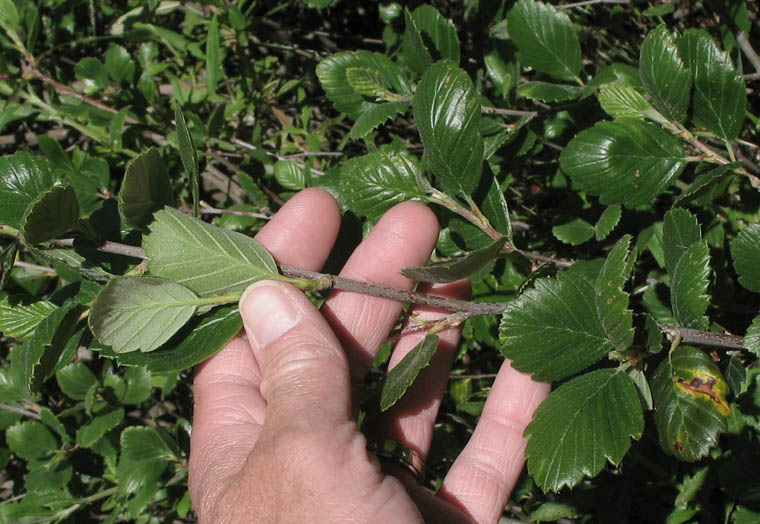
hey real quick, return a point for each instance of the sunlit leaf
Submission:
(622, 101)
(720, 96)
(188, 156)
(23, 179)
(140, 313)
(545, 38)
(90, 433)
(664, 74)
(373, 183)
(204, 258)
(447, 111)
(583, 424)
(546, 92)
(607, 221)
(31, 440)
(611, 301)
(375, 116)
(680, 230)
(20, 320)
(574, 232)
(623, 162)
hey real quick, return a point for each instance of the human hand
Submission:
(274, 436)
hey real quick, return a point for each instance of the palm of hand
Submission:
(275, 438)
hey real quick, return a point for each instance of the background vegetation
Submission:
(110, 110)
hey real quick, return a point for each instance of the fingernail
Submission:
(268, 312)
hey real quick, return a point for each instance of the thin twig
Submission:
(214, 211)
(488, 110)
(704, 338)
(20, 411)
(27, 265)
(743, 41)
(461, 309)
(69, 91)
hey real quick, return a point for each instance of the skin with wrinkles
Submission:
(274, 436)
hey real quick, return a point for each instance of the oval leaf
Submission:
(745, 250)
(691, 410)
(204, 258)
(199, 339)
(611, 300)
(54, 213)
(664, 74)
(688, 287)
(403, 374)
(583, 424)
(140, 313)
(545, 38)
(574, 232)
(552, 330)
(146, 188)
(332, 74)
(720, 96)
(622, 101)
(623, 162)
(546, 92)
(23, 179)
(447, 110)
(607, 221)
(439, 30)
(374, 183)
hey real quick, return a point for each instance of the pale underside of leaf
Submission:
(204, 258)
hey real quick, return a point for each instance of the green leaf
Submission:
(623, 162)
(453, 270)
(690, 403)
(553, 511)
(75, 380)
(140, 313)
(289, 175)
(574, 232)
(664, 74)
(440, 32)
(403, 374)
(495, 208)
(31, 440)
(582, 425)
(48, 418)
(447, 110)
(92, 72)
(198, 340)
(119, 63)
(188, 156)
(41, 351)
(93, 431)
(607, 221)
(204, 258)
(144, 457)
(416, 55)
(145, 189)
(752, 338)
(377, 115)
(622, 101)
(373, 183)
(23, 179)
(709, 184)
(680, 230)
(139, 385)
(365, 81)
(735, 375)
(745, 250)
(545, 39)
(55, 212)
(332, 74)
(9, 20)
(611, 300)
(19, 320)
(552, 330)
(720, 96)
(214, 69)
(546, 92)
(639, 380)
(688, 287)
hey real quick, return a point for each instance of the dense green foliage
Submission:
(594, 168)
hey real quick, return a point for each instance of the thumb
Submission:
(304, 371)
